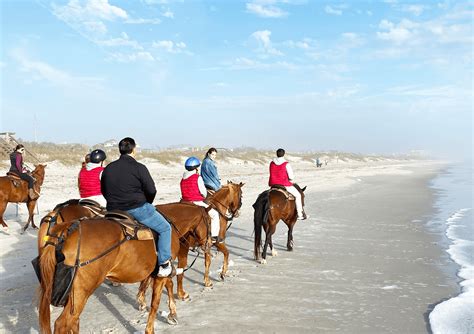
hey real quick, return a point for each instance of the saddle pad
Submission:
(132, 227)
(288, 196)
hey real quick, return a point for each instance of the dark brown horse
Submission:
(227, 201)
(16, 191)
(97, 249)
(272, 206)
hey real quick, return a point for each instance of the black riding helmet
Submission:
(97, 156)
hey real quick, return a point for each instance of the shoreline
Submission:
(321, 298)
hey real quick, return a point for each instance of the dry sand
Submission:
(364, 262)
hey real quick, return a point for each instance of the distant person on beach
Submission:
(17, 168)
(281, 174)
(193, 190)
(128, 186)
(90, 175)
(209, 172)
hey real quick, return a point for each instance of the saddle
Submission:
(16, 180)
(283, 190)
(131, 227)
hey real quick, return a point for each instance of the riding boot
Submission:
(32, 194)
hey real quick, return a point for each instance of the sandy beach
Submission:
(364, 262)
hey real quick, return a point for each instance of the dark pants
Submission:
(27, 178)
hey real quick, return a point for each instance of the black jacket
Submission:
(127, 184)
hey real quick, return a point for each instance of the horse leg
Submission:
(173, 316)
(182, 263)
(68, 321)
(289, 245)
(158, 284)
(31, 206)
(3, 207)
(141, 293)
(31, 211)
(207, 265)
(221, 247)
(269, 230)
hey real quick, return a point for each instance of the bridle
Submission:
(231, 207)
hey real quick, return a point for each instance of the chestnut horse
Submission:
(97, 249)
(67, 212)
(9, 192)
(227, 202)
(272, 206)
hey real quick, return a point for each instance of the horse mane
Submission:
(67, 203)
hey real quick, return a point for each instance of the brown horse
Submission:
(227, 201)
(97, 249)
(16, 191)
(272, 206)
(66, 213)
(172, 211)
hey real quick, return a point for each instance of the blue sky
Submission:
(361, 76)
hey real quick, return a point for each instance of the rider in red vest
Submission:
(89, 178)
(281, 174)
(194, 190)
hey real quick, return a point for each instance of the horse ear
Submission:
(228, 182)
(304, 189)
(242, 184)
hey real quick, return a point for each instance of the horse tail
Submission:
(259, 218)
(48, 265)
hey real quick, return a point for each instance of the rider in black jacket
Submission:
(127, 185)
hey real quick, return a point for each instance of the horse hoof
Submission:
(208, 284)
(184, 297)
(142, 308)
(274, 252)
(222, 277)
(172, 320)
(290, 249)
(34, 227)
(263, 261)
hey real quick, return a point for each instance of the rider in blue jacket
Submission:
(209, 170)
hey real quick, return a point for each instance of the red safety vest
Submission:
(279, 175)
(190, 189)
(89, 182)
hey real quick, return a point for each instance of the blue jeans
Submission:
(147, 215)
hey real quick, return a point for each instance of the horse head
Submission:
(301, 190)
(235, 193)
(38, 173)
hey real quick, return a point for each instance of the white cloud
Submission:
(42, 71)
(131, 57)
(168, 13)
(330, 10)
(265, 9)
(98, 9)
(142, 21)
(416, 10)
(170, 46)
(397, 34)
(121, 41)
(263, 39)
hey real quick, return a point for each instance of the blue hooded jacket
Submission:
(209, 174)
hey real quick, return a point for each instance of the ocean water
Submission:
(455, 216)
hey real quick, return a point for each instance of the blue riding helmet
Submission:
(192, 163)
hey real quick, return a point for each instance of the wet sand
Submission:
(364, 262)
